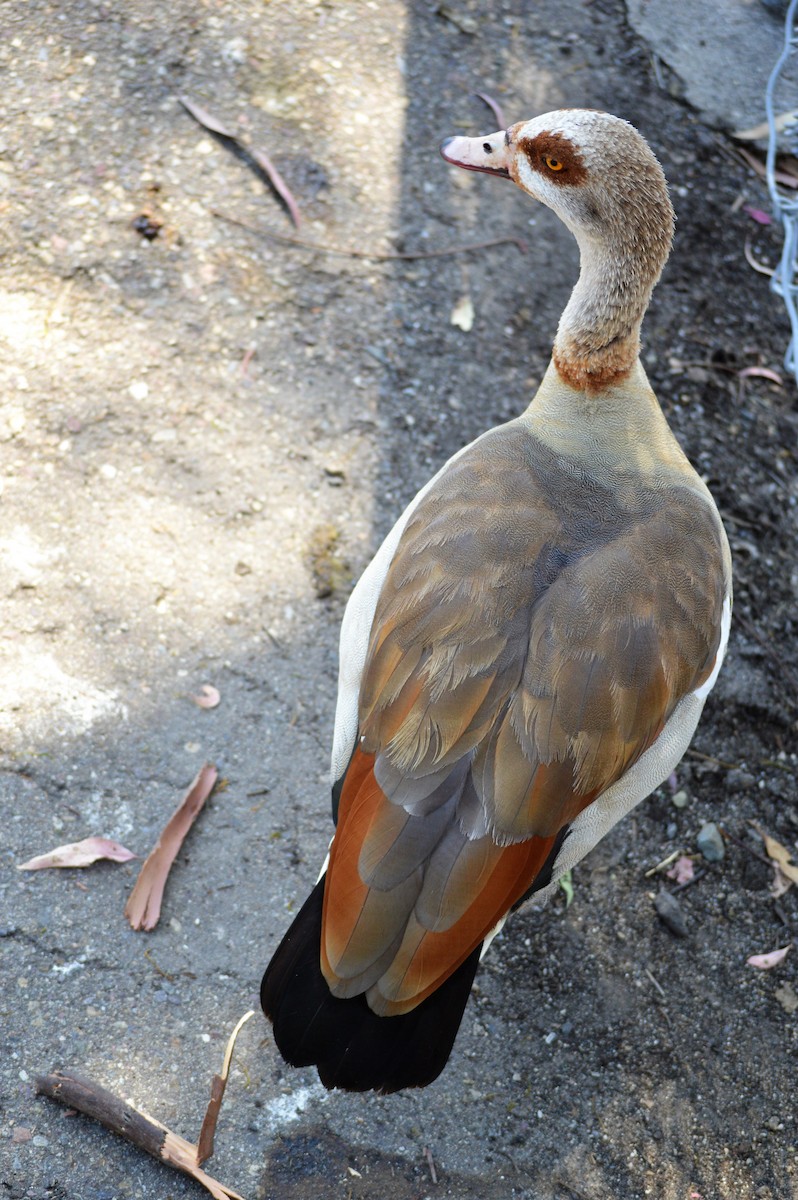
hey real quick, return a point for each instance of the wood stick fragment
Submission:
(218, 1085)
(77, 1092)
(144, 903)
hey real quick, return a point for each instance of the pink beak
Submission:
(489, 154)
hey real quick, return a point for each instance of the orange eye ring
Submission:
(553, 164)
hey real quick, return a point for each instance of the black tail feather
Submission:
(350, 1045)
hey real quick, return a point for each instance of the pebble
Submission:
(40, 1140)
(710, 842)
(670, 913)
(739, 781)
(679, 800)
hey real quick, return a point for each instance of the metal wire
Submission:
(785, 208)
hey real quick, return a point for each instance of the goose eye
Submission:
(553, 164)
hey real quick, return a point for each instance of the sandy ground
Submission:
(203, 437)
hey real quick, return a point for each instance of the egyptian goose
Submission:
(525, 658)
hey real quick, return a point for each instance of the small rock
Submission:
(710, 842)
(139, 389)
(679, 800)
(40, 1140)
(669, 912)
(739, 781)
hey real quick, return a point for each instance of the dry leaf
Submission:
(209, 121)
(144, 904)
(79, 854)
(760, 373)
(779, 854)
(218, 1085)
(763, 130)
(764, 962)
(785, 177)
(494, 107)
(463, 314)
(208, 698)
(758, 214)
(787, 998)
(682, 870)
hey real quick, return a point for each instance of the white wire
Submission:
(783, 282)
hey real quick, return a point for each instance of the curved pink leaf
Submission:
(79, 854)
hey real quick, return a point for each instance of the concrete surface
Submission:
(721, 53)
(203, 438)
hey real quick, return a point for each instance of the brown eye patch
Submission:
(554, 156)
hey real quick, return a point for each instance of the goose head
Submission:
(598, 174)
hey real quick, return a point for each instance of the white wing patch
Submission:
(725, 626)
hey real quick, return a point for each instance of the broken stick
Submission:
(131, 1123)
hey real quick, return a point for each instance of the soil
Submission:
(204, 434)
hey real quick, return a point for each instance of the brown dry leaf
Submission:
(787, 998)
(780, 855)
(79, 854)
(144, 904)
(784, 177)
(682, 870)
(209, 696)
(765, 962)
(218, 1085)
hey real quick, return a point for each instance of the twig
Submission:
(131, 1123)
(656, 985)
(752, 262)
(718, 762)
(746, 846)
(431, 1164)
(160, 970)
(386, 256)
(218, 1085)
(665, 862)
(688, 882)
(247, 359)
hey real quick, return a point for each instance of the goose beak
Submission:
(491, 154)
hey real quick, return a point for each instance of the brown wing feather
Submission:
(401, 942)
(525, 651)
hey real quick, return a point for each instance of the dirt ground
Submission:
(203, 437)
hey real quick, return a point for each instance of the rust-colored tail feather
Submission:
(350, 1045)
